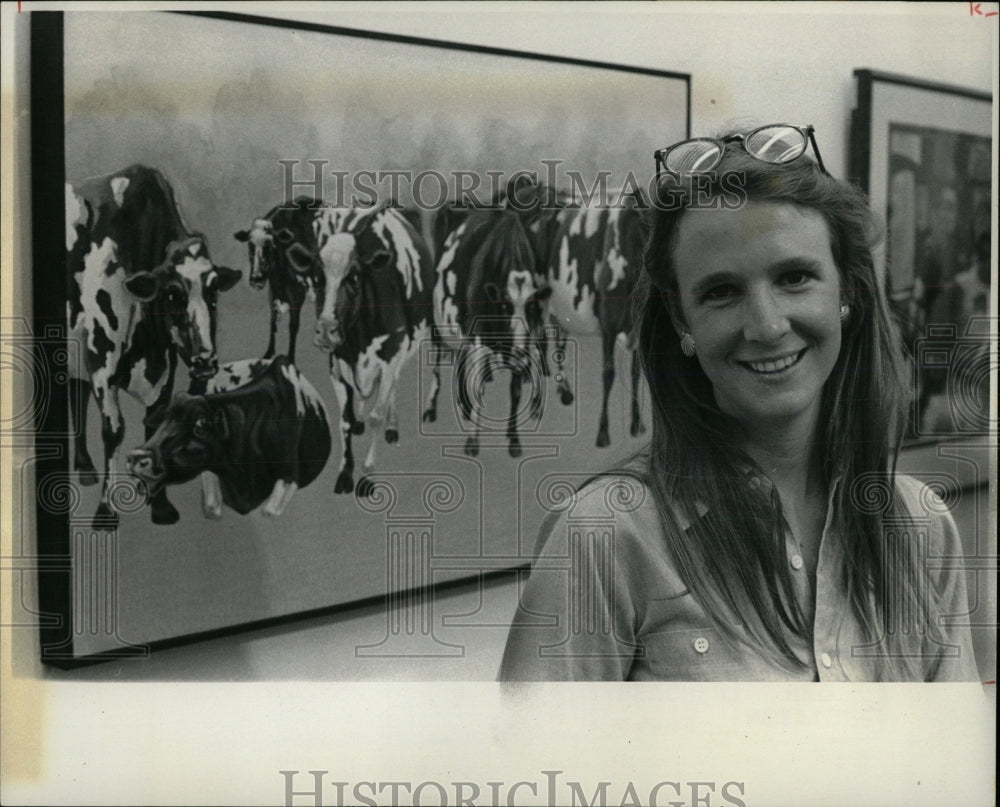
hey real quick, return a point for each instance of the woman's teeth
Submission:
(775, 365)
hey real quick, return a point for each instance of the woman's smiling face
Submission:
(760, 293)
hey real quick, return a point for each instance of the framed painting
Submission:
(279, 373)
(923, 150)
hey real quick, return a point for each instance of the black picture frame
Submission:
(88, 612)
(922, 151)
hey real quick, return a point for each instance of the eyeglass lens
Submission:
(776, 144)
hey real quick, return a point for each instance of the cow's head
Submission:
(185, 443)
(283, 236)
(188, 288)
(348, 259)
(509, 303)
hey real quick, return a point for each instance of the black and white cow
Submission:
(594, 265)
(283, 256)
(486, 300)
(261, 432)
(143, 289)
(377, 307)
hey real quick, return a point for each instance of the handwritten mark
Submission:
(975, 10)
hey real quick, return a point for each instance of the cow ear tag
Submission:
(284, 236)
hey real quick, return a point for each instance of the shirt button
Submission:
(701, 644)
(827, 661)
(796, 562)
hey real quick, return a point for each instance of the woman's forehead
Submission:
(753, 234)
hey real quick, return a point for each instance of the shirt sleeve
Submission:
(576, 618)
(948, 653)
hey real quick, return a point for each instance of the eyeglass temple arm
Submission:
(819, 158)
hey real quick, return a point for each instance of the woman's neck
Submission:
(788, 454)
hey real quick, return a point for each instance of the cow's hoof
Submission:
(603, 441)
(165, 513)
(565, 396)
(344, 484)
(429, 416)
(358, 427)
(392, 436)
(638, 428)
(213, 512)
(365, 488)
(472, 447)
(514, 449)
(105, 518)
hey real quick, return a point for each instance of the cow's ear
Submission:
(492, 291)
(300, 258)
(143, 286)
(543, 294)
(227, 277)
(284, 236)
(221, 424)
(242, 236)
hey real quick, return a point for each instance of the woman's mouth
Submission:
(773, 366)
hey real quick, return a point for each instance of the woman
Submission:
(763, 534)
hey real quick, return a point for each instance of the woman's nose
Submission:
(765, 319)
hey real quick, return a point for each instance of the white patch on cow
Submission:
(390, 228)
(336, 257)
(450, 247)
(139, 386)
(520, 288)
(445, 310)
(197, 273)
(450, 279)
(281, 307)
(118, 187)
(306, 397)
(592, 222)
(329, 221)
(368, 368)
(570, 316)
(94, 279)
(236, 374)
(211, 495)
(75, 213)
(615, 259)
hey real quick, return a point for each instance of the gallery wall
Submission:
(749, 62)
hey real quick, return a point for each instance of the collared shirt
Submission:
(604, 601)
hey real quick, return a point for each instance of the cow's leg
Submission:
(562, 383)
(514, 443)
(211, 495)
(608, 343)
(470, 401)
(79, 396)
(391, 419)
(296, 299)
(637, 426)
(274, 328)
(280, 496)
(112, 434)
(162, 511)
(430, 412)
(345, 478)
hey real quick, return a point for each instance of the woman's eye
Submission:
(721, 294)
(795, 278)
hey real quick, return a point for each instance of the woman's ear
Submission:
(672, 302)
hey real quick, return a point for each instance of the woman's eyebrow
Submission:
(714, 279)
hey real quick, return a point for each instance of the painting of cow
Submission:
(594, 264)
(376, 309)
(143, 290)
(259, 434)
(282, 256)
(487, 300)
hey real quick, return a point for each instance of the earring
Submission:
(845, 312)
(687, 344)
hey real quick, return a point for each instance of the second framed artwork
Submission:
(923, 152)
(294, 379)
